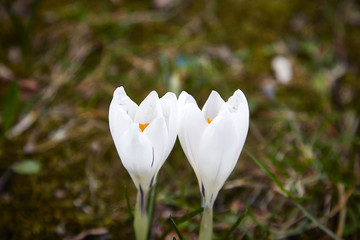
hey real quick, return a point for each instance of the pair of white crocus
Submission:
(212, 138)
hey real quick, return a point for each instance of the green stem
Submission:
(206, 227)
(141, 223)
(151, 206)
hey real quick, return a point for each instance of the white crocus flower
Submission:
(144, 136)
(212, 139)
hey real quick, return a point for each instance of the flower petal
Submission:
(136, 153)
(119, 120)
(212, 105)
(170, 111)
(217, 155)
(191, 130)
(185, 98)
(239, 112)
(237, 102)
(157, 133)
(149, 109)
(120, 98)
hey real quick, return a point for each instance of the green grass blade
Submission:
(279, 184)
(189, 215)
(176, 228)
(10, 104)
(183, 219)
(237, 222)
(316, 222)
(268, 172)
(130, 212)
(152, 205)
(264, 228)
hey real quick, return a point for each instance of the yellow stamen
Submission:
(143, 126)
(209, 121)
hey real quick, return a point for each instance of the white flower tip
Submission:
(238, 103)
(169, 96)
(119, 95)
(238, 93)
(214, 99)
(214, 94)
(119, 91)
(183, 95)
(153, 94)
(185, 98)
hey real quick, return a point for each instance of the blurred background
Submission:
(296, 61)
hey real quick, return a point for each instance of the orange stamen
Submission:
(209, 121)
(143, 126)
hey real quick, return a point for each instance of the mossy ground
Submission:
(69, 56)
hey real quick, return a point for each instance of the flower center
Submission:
(209, 121)
(143, 126)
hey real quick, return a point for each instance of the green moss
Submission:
(307, 134)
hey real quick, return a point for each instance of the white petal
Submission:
(239, 109)
(149, 109)
(185, 98)
(191, 130)
(237, 101)
(119, 120)
(120, 98)
(170, 111)
(136, 153)
(157, 133)
(218, 154)
(212, 105)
